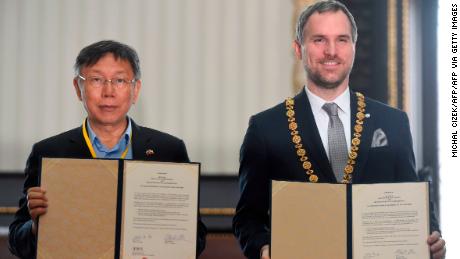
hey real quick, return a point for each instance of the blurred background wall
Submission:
(207, 65)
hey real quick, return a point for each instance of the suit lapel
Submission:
(311, 138)
(78, 145)
(366, 135)
(141, 144)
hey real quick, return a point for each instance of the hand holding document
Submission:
(118, 209)
(368, 221)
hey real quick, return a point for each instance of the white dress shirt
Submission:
(322, 118)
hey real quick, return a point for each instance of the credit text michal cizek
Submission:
(454, 84)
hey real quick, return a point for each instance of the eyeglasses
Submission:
(99, 82)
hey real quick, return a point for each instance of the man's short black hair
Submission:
(91, 54)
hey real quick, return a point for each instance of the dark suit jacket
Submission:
(71, 144)
(268, 153)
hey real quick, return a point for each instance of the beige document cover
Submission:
(157, 205)
(304, 215)
(81, 218)
(378, 221)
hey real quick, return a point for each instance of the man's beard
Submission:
(322, 82)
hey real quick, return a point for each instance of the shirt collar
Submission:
(342, 101)
(92, 136)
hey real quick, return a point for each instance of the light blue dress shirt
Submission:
(116, 152)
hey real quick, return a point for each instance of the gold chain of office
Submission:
(302, 153)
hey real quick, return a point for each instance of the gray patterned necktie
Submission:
(338, 152)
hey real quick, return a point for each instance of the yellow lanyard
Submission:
(90, 146)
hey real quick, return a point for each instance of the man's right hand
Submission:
(265, 252)
(37, 204)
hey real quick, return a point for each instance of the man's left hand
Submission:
(437, 245)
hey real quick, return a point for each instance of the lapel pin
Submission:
(149, 152)
(368, 115)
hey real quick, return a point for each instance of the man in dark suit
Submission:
(326, 133)
(107, 81)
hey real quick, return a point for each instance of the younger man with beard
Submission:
(327, 133)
